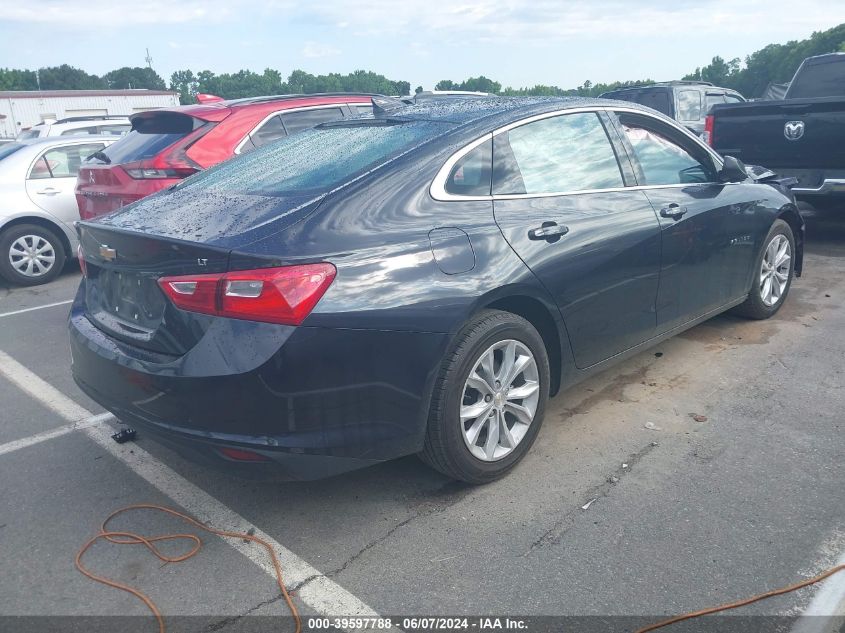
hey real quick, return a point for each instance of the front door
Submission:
(705, 225)
(559, 200)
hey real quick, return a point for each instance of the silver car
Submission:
(38, 206)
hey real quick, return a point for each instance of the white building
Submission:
(21, 109)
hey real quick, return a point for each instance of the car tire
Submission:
(764, 301)
(503, 436)
(17, 267)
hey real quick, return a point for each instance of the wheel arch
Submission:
(542, 317)
(789, 213)
(46, 223)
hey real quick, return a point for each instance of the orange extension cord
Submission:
(742, 603)
(130, 538)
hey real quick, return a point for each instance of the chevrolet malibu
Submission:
(417, 281)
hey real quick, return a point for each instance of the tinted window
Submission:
(689, 105)
(562, 153)
(471, 175)
(316, 160)
(270, 131)
(733, 99)
(29, 134)
(137, 146)
(656, 98)
(63, 162)
(362, 109)
(819, 80)
(304, 119)
(663, 161)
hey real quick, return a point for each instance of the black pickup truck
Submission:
(801, 136)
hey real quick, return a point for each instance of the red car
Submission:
(168, 145)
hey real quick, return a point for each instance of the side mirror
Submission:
(733, 170)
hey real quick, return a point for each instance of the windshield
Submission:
(317, 160)
(9, 148)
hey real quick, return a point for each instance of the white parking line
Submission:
(826, 611)
(16, 445)
(321, 593)
(47, 305)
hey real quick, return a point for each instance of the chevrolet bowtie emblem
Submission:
(107, 253)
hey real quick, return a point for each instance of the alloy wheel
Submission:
(500, 399)
(774, 272)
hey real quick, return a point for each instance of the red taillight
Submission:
(240, 455)
(273, 295)
(707, 135)
(80, 255)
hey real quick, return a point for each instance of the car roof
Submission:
(218, 110)
(492, 110)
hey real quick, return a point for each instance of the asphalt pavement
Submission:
(701, 471)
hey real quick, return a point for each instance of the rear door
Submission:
(706, 226)
(51, 178)
(560, 201)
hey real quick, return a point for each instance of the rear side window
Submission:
(729, 98)
(113, 130)
(362, 109)
(304, 119)
(655, 98)
(565, 153)
(271, 130)
(150, 135)
(29, 134)
(62, 162)
(79, 131)
(712, 99)
(689, 105)
(471, 175)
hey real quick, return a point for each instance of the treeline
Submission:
(776, 63)
(244, 83)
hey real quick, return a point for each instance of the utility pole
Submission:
(149, 60)
(38, 79)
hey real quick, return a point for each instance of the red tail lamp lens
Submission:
(273, 295)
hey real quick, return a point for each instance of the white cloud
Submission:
(316, 49)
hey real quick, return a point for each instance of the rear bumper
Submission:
(317, 403)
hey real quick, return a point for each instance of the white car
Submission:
(73, 126)
(38, 206)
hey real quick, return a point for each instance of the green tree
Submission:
(418, 90)
(184, 82)
(137, 77)
(67, 77)
(13, 79)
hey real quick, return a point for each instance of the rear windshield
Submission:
(653, 98)
(150, 135)
(317, 160)
(9, 148)
(819, 80)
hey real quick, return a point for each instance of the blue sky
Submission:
(516, 42)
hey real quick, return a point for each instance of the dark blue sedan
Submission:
(417, 281)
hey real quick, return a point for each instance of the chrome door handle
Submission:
(49, 191)
(674, 211)
(550, 231)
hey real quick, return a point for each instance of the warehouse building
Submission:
(20, 110)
